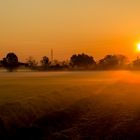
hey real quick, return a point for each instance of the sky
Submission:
(95, 27)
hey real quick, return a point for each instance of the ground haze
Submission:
(70, 105)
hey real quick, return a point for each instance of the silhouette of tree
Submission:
(1, 63)
(136, 63)
(31, 63)
(112, 62)
(122, 60)
(65, 64)
(82, 60)
(10, 62)
(45, 62)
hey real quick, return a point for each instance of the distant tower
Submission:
(51, 55)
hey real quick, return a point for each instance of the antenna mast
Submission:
(51, 55)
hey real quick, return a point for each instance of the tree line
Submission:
(76, 62)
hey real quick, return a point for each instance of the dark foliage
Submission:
(112, 62)
(136, 63)
(10, 62)
(45, 62)
(76, 62)
(31, 63)
(82, 60)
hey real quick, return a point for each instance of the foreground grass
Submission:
(71, 106)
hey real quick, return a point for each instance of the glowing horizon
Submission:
(33, 28)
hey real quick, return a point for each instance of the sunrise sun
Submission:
(138, 47)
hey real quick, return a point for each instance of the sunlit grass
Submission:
(70, 104)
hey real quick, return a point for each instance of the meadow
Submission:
(102, 105)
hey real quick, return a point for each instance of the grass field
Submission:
(70, 105)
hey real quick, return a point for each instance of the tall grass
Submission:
(70, 105)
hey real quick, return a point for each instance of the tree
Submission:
(112, 62)
(10, 62)
(82, 60)
(122, 60)
(136, 63)
(31, 63)
(45, 62)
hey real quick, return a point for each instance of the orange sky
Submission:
(96, 27)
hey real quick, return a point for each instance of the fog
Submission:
(80, 105)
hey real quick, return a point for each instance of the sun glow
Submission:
(138, 47)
